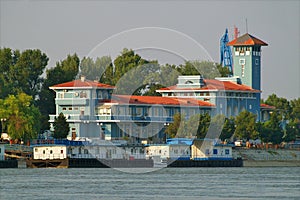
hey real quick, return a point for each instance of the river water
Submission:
(167, 183)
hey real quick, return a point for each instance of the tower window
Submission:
(242, 61)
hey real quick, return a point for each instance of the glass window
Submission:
(227, 151)
(215, 151)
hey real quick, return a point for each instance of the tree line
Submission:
(26, 100)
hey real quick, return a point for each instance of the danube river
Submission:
(170, 183)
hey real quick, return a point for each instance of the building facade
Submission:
(92, 109)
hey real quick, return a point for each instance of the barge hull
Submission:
(206, 163)
(106, 163)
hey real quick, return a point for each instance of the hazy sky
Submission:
(59, 28)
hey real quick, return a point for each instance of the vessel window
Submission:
(86, 151)
(207, 151)
(227, 151)
(215, 151)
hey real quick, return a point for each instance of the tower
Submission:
(247, 59)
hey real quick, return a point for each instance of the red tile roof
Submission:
(246, 40)
(266, 106)
(211, 84)
(127, 99)
(82, 84)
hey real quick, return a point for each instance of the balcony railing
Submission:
(117, 117)
(72, 101)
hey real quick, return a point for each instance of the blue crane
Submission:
(225, 52)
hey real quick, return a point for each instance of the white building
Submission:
(169, 151)
(210, 150)
(49, 152)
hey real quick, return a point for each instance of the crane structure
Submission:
(225, 52)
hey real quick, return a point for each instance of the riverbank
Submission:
(268, 157)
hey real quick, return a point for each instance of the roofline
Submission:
(171, 105)
(90, 87)
(214, 90)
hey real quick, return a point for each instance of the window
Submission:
(70, 108)
(227, 151)
(60, 95)
(139, 110)
(82, 94)
(215, 151)
(51, 151)
(206, 151)
(44, 151)
(61, 151)
(242, 61)
(256, 61)
(64, 108)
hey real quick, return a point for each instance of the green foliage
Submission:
(172, 129)
(281, 104)
(228, 128)
(246, 128)
(204, 122)
(21, 116)
(208, 70)
(21, 71)
(195, 127)
(61, 127)
(100, 70)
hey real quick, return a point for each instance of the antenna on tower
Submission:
(246, 26)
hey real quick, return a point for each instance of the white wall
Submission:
(49, 152)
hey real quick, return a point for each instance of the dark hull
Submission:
(56, 163)
(8, 163)
(106, 163)
(206, 163)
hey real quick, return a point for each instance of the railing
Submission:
(108, 156)
(17, 147)
(72, 101)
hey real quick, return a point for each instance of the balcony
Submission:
(162, 119)
(72, 101)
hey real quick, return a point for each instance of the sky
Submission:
(178, 30)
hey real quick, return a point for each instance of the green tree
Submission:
(270, 130)
(246, 128)
(21, 71)
(281, 104)
(172, 129)
(100, 70)
(228, 129)
(203, 126)
(209, 70)
(61, 127)
(22, 116)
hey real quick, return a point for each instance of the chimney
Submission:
(82, 78)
